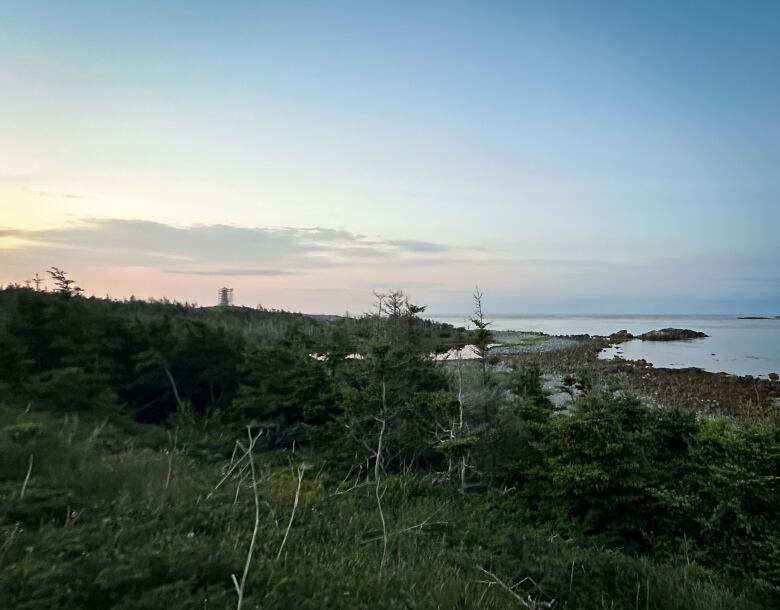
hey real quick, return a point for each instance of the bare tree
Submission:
(397, 305)
(395, 315)
(380, 301)
(63, 284)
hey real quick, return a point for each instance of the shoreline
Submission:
(689, 388)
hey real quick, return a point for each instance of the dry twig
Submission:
(27, 478)
(292, 514)
(377, 479)
(241, 586)
(528, 602)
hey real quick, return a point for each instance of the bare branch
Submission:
(528, 602)
(292, 514)
(241, 586)
(170, 458)
(27, 478)
(339, 489)
(235, 464)
(417, 527)
(174, 387)
(377, 469)
(11, 536)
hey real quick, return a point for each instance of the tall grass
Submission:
(112, 519)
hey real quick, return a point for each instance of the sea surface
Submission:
(740, 347)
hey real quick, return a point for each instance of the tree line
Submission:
(369, 395)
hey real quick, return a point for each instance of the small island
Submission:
(665, 334)
(672, 334)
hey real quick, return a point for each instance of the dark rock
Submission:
(672, 334)
(620, 336)
(754, 318)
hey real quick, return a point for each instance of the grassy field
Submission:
(120, 515)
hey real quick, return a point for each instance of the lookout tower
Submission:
(225, 297)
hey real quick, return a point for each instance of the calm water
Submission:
(741, 347)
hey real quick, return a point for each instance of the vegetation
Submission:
(156, 455)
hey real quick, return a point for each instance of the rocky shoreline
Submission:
(691, 389)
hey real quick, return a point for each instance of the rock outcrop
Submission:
(672, 334)
(620, 336)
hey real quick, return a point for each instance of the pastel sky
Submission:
(567, 157)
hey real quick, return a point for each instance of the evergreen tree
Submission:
(481, 337)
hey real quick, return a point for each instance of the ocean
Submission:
(740, 347)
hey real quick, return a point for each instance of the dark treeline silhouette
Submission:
(159, 356)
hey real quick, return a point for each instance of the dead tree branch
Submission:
(528, 602)
(377, 474)
(174, 387)
(26, 478)
(240, 587)
(292, 514)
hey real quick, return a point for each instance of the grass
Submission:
(513, 337)
(99, 528)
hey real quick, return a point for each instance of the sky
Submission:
(565, 157)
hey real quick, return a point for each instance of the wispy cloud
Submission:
(214, 249)
(418, 246)
(130, 256)
(40, 193)
(231, 272)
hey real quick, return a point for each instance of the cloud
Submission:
(231, 272)
(215, 249)
(418, 246)
(39, 193)
(123, 257)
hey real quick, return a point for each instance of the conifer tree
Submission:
(481, 337)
